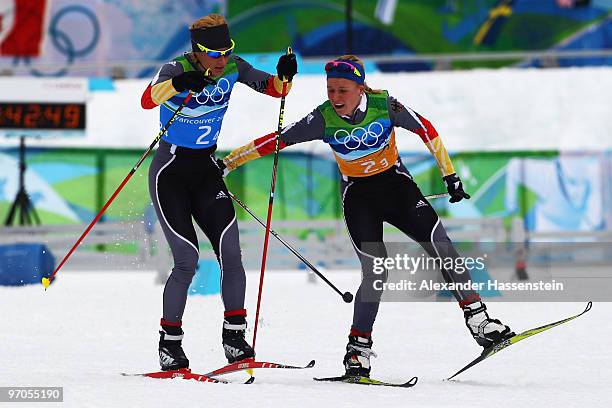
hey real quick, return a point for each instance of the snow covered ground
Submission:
(89, 327)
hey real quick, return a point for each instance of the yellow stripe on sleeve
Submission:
(439, 152)
(241, 155)
(163, 91)
(278, 85)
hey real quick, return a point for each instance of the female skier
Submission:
(357, 122)
(185, 182)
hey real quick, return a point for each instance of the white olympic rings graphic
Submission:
(216, 94)
(354, 139)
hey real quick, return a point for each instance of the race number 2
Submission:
(202, 138)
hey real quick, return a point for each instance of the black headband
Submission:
(215, 38)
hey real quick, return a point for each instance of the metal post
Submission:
(349, 26)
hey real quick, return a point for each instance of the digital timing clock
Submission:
(38, 115)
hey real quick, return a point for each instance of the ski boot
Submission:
(357, 358)
(235, 346)
(486, 331)
(171, 354)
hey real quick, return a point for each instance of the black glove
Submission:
(194, 81)
(455, 188)
(286, 67)
(223, 170)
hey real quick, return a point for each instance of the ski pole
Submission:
(270, 201)
(47, 281)
(437, 195)
(346, 296)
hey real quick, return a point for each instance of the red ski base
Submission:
(184, 373)
(249, 364)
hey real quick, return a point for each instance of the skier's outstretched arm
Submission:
(308, 128)
(265, 83)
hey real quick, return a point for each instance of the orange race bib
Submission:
(371, 164)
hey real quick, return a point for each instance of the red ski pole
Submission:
(47, 281)
(270, 203)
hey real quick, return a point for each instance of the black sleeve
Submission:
(403, 117)
(311, 127)
(251, 77)
(168, 71)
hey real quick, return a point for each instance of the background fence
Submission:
(548, 190)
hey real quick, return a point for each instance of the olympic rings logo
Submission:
(65, 40)
(215, 95)
(359, 136)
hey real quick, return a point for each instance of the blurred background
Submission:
(519, 90)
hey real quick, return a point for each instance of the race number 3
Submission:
(372, 166)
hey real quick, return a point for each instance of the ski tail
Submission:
(184, 373)
(496, 348)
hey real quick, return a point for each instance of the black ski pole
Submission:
(346, 296)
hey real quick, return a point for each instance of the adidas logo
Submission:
(165, 358)
(232, 351)
(421, 203)
(221, 194)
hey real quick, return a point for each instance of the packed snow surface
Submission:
(89, 327)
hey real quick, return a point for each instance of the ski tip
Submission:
(250, 380)
(311, 364)
(588, 306)
(411, 382)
